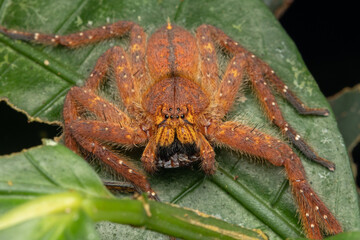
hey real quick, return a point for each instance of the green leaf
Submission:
(83, 199)
(346, 106)
(39, 89)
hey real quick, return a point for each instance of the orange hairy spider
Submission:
(173, 102)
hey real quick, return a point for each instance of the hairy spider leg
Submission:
(314, 215)
(70, 111)
(265, 96)
(273, 111)
(286, 93)
(208, 61)
(116, 130)
(92, 134)
(148, 157)
(207, 154)
(73, 40)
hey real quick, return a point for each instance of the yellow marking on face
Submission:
(183, 135)
(120, 68)
(186, 134)
(128, 137)
(192, 132)
(165, 137)
(158, 135)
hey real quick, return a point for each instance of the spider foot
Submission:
(315, 216)
(306, 149)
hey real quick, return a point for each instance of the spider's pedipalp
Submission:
(207, 155)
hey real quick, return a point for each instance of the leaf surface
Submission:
(39, 89)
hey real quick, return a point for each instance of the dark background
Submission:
(326, 33)
(327, 36)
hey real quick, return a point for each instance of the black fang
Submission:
(188, 150)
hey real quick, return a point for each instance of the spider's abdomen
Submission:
(172, 51)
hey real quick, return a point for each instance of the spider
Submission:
(173, 102)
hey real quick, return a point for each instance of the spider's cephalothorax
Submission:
(175, 103)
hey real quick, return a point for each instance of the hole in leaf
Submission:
(17, 133)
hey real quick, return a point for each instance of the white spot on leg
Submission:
(46, 62)
(253, 56)
(312, 225)
(273, 103)
(90, 37)
(325, 216)
(130, 171)
(316, 208)
(120, 162)
(307, 214)
(81, 34)
(36, 36)
(297, 137)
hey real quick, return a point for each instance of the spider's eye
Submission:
(177, 116)
(166, 116)
(182, 116)
(178, 109)
(170, 109)
(171, 116)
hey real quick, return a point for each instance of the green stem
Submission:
(160, 217)
(167, 219)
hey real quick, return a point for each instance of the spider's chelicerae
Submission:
(173, 102)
